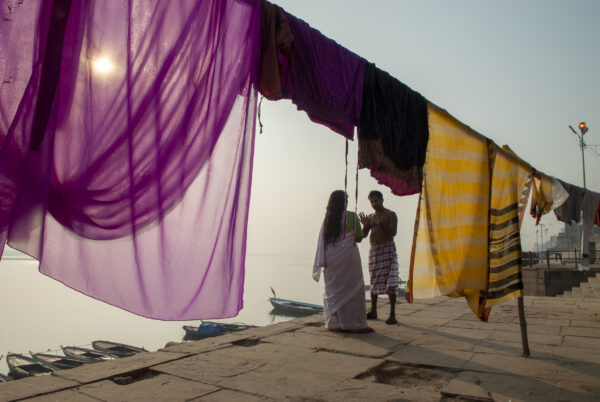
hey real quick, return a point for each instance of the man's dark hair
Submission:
(376, 193)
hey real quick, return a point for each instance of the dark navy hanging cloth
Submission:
(393, 132)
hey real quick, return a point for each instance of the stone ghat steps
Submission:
(587, 289)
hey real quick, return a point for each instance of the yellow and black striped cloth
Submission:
(466, 240)
(511, 181)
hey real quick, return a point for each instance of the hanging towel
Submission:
(393, 132)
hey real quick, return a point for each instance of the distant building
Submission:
(569, 238)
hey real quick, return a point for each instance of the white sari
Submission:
(344, 297)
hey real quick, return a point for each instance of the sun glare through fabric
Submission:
(102, 65)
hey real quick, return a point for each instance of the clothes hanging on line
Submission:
(510, 186)
(547, 194)
(139, 193)
(321, 77)
(591, 201)
(570, 210)
(541, 196)
(276, 46)
(393, 132)
(559, 194)
(582, 204)
(450, 245)
(467, 240)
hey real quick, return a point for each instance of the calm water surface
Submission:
(41, 314)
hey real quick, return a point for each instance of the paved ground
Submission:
(438, 351)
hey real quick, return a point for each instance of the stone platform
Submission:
(437, 352)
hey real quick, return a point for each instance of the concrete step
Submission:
(568, 294)
(586, 291)
(595, 285)
(576, 292)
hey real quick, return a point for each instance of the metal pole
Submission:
(582, 144)
(583, 129)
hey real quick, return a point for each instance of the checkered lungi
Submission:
(383, 268)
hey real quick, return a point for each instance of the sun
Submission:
(102, 65)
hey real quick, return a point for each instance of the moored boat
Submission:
(294, 308)
(86, 353)
(209, 329)
(21, 366)
(61, 362)
(117, 349)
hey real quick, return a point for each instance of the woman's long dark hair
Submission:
(333, 217)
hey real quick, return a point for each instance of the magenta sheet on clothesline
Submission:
(139, 192)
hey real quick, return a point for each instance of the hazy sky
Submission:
(517, 72)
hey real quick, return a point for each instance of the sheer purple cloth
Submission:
(139, 192)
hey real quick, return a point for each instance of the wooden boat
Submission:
(86, 353)
(209, 329)
(21, 366)
(293, 308)
(61, 362)
(117, 349)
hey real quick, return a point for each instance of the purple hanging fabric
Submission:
(139, 193)
(324, 79)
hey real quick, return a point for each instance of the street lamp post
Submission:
(584, 129)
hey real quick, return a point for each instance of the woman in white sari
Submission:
(337, 253)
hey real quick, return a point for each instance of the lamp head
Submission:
(583, 128)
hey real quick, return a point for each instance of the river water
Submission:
(41, 314)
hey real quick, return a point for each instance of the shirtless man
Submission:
(383, 261)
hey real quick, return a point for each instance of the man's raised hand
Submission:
(364, 219)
